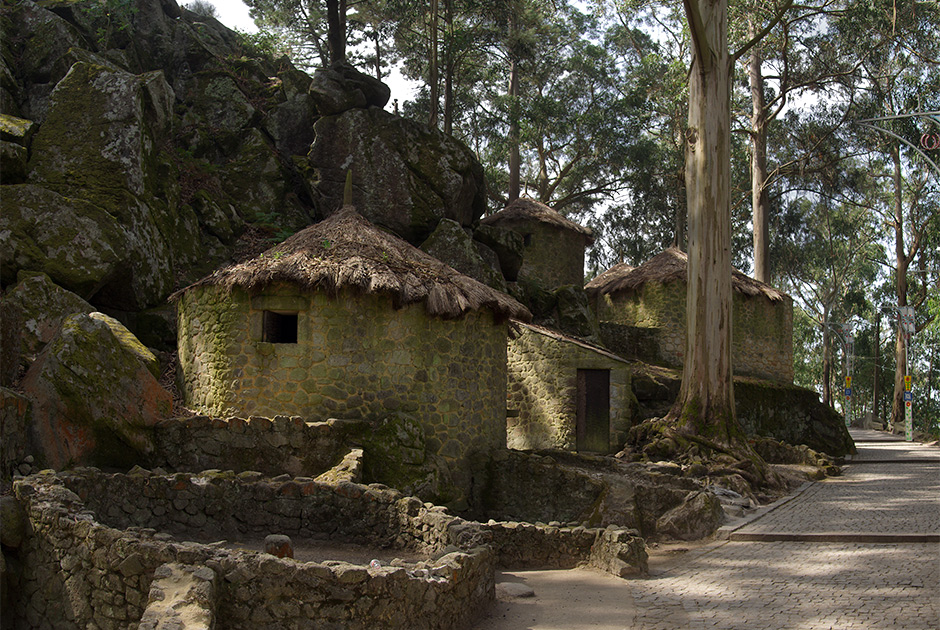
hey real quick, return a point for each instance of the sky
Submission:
(234, 14)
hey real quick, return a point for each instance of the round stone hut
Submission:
(642, 313)
(554, 245)
(344, 320)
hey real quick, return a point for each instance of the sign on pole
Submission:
(906, 314)
(909, 421)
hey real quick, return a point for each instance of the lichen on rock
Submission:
(94, 395)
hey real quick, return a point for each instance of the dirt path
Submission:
(576, 598)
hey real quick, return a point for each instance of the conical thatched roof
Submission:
(346, 251)
(524, 209)
(617, 271)
(669, 266)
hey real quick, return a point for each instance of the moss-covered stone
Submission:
(405, 176)
(94, 398)
(77, 244)
(17, 130)
(32, 312)
(450, 244)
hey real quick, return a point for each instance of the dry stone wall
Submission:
(356, 356)
(273, 446)
(542, 389)
(650, 325)
(94, 549)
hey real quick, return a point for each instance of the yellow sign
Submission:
(848, 381)
(907, 382)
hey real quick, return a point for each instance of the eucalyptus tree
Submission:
(899, 74)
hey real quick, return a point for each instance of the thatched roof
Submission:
(669, 266)
(617, 271)
(346, 251)
(524, 210)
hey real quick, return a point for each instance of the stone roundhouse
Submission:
(642, 314)
(343, 320)
(554, 245)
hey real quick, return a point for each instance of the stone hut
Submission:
(345, 320)
(554, 245)
(564, 393)
(642, 314)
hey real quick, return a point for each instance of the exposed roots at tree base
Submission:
(737, 465)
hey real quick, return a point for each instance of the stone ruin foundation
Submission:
(143, 549)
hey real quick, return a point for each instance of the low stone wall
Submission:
(616, 550)
(94, 548)
(282, 444)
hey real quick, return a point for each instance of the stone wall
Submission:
(650, 325)
(283, 444)
(356, 356)
(615, 550)
(553, 257)
(542, 390)
(94, 548)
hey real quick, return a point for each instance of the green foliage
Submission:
(263, 44)
(273, 223)
(110, 19)
(202, 8)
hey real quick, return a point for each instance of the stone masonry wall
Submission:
(93, 550)
(283, 444)
(542, 388)
(554, 257)
(356, 357)
(762, 332)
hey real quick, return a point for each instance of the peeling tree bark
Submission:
(760, 200)
(706, 399)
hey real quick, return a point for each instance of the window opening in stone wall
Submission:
(279, 327)
(527, 239)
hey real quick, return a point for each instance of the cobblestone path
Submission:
(861, 551)
(857, 552)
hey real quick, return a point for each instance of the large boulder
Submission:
(76, 243)
(451, 244)
(95, 395)
(698, 516)
(508, 244)
(341, 87)
(30, 314)
(405, 176)
(101, 143)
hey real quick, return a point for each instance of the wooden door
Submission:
(593, 420)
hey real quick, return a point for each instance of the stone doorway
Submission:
(593, 419)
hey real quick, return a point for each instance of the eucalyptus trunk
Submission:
(902, 262)
(706, 399)
(433, 79)
(760, 200)
(515, 162)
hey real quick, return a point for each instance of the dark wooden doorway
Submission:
(593, 422)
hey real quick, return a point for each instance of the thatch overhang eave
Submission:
(347, 252)
(525, 210)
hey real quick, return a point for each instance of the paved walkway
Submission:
(857, 552)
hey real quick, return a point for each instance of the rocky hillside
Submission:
(144, 145)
